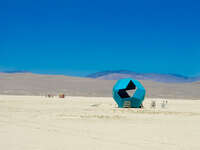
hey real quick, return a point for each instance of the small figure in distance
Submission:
(153, 104)
(163, 104)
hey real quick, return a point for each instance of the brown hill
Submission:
(36, 84)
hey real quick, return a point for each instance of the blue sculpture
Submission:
(121, 96)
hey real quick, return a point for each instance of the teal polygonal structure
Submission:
(121, 96)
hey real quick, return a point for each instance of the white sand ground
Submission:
(73, 123)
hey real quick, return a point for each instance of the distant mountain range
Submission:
(166, 78)
(118, 74)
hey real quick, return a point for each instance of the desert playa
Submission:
(40, 123)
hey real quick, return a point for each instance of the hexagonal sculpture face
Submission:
(128, 93)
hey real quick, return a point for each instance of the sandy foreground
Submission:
(39, 123)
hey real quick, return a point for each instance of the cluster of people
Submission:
(163, 104)
(52, 96)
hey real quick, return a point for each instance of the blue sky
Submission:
(79, 37)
